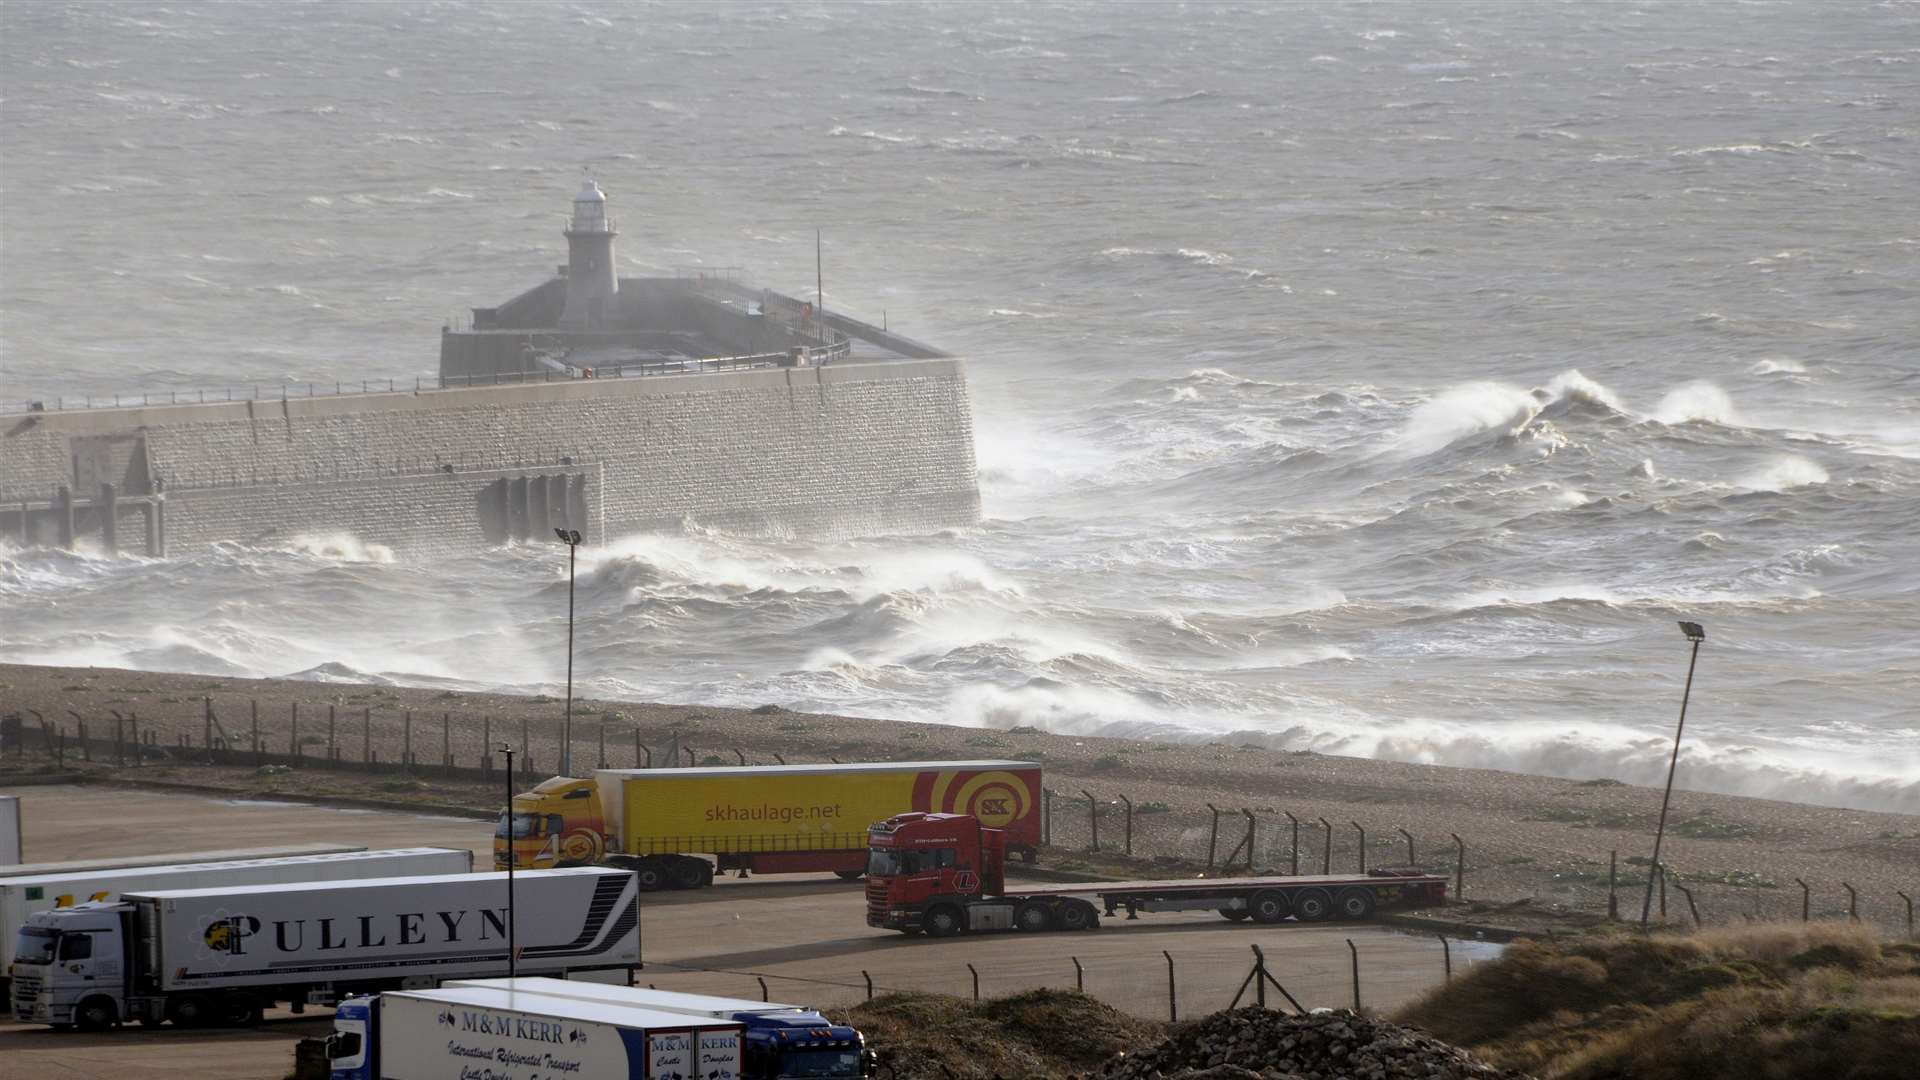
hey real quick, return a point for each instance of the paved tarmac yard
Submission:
(804, 935)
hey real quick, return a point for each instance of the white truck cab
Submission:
(70, 966)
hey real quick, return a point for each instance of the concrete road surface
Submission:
(804, 935)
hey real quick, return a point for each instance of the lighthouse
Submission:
(592, 284)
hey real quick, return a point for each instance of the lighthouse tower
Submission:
(591, 282)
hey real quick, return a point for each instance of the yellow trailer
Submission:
(664, 823)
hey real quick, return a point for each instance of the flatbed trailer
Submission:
(944, 874)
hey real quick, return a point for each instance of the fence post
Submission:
(1295, 871)
(1459, 867)
(119, 747)
(1093, 817)
(1326, 854)
(133, 724)
(333, 751)
(603, 744)
(869, 979)
(691, 760)
(1046, 816)
(1250, 830)
(486, 745)
(1909, 901)
(293, 739)
(406, 740)
(1661, 869)
(764, 996)
(1173, 995)
(86, 746)
(1079, 975)
(1446, 957)
(207, 720)
(639, 750)
(1688, 893)
(976, 981)
(1213, 835)
(1410, 859)
(1356, 973)
(777, 757)
(737, 752)
(1853, 902)
(1129, 804)
(256, 732)
(1357, 827)
(60, 755)
(526, 748)
(1613, 879)
(366, 737)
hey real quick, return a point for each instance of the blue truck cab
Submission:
(350, 1049)
(778, 1042)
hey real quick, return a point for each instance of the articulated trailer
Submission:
(944, 874)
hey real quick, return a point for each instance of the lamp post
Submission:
(1695, 634)
(571, 538)
(513, 949)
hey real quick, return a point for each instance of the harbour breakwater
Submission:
(833, 450)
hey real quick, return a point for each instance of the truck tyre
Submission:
(96, 1014)
(686, 873)
(189, 1010)
(1235, 914)
(1312, 905)
(649, 875)
(942, 920)
(1078, 915)
(1033, 917)
(1354, 902)
(237, 1010)
(1269, 906)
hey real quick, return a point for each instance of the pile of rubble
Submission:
(1261, 1044)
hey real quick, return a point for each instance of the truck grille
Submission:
(26, 993)
(876, 902)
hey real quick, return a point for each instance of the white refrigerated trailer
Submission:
(23, 896)
(460, 1033)
(200, 956)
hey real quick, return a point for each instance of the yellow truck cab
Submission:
(561, 822)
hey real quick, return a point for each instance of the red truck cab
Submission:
(922, 862)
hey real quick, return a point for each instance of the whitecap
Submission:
(1699, 400)
(1783, 473)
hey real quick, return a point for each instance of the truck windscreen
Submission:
(35, 946)
(882, 862)
(522, 826)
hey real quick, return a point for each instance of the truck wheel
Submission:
(189, 1010)
(1354, 902)
(649, 876)
(1078, 915)
(1312, 905)
(1268, 907)
(237, 1010)
(1235, 914)
(1033, 917)
(96, 1014)
(942, 921)
(691, 873)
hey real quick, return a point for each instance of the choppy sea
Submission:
(1380, 379)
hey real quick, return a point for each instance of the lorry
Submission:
(171, 858)
(203, 956)
(769, 819)
(23, 896)
(777, 1041)
(945, 874)
(481, 1032)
